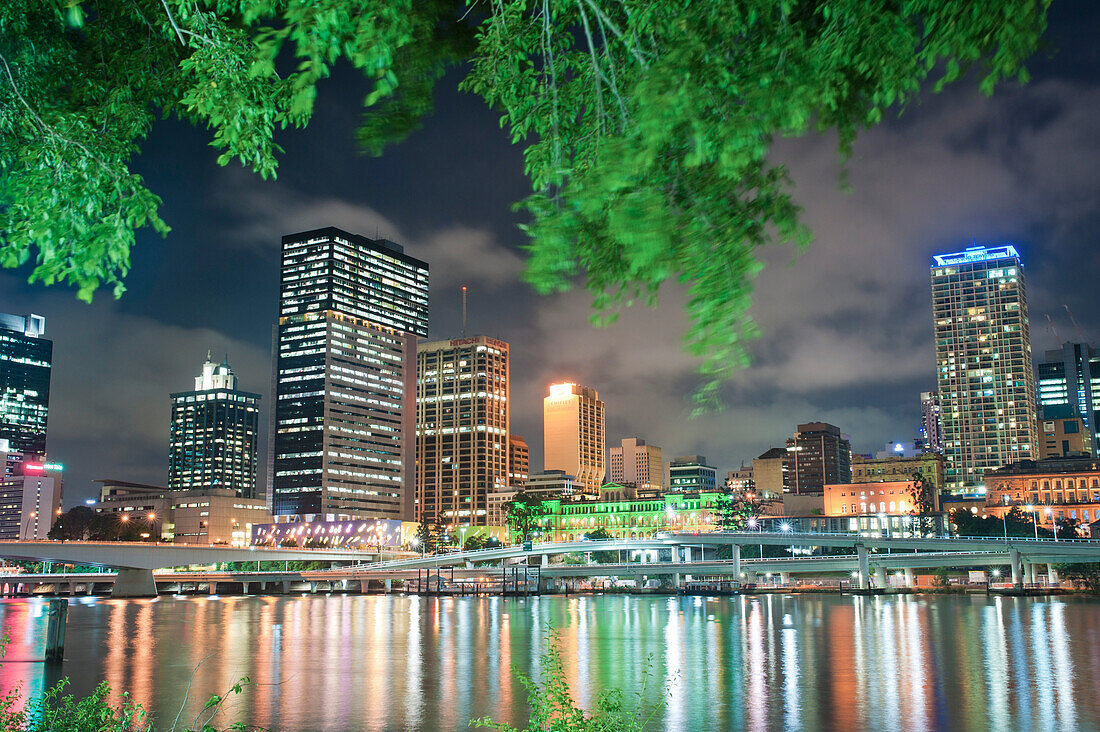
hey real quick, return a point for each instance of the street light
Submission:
(1034, 521)
(1053, 520)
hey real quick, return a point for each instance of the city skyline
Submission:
(846, 344)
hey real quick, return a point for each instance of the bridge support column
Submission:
(784, 578)
(213, 588)
(735, 553)
(387, 584)
(676, 555)
(545, 560)
(134, 583)
(864, 568)
(687, 553)
(1014, 561)
(908, 576)
(1052, 575)
(286, 587)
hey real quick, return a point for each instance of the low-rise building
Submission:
(1057, 488)
(892, 497)
(893, 468)
(572, 519)
(197, 516)
(691, 473)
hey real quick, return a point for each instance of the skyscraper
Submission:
(817, 455)
(461, 428)
(26, 362)
(213, 437)
(931, 422)
(635, 462)
(573, 433)
(1069, 384)
(350, 311)
(983, 362)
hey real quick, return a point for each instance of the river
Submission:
(768, 662)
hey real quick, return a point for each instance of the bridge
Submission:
(134, 561)
(686, 557)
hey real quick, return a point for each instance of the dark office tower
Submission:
(26, 361)
(351, 309)
(461, 428)
(213, 439)
(983, 362)
(1069, 385)
(818, 454)
(931, 422)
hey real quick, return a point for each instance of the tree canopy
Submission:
(647, 125)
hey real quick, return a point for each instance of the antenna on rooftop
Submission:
(464, 311)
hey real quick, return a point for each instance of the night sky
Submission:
(846, 327)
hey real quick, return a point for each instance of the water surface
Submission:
(771, 662)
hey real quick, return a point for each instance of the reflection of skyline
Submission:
(764, 662)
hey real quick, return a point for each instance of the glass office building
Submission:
(26, 363)
(351, 309)
(213, 436)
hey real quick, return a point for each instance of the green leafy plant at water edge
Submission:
(553, 708)
(56, 711)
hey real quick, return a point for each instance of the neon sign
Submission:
(41, 467)
(976, 254)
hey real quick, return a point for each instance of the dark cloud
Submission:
(846, 326)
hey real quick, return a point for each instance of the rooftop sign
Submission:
(976, 254)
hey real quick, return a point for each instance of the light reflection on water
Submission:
(757, 663)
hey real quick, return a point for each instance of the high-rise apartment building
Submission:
(573, 433)
(817, 455)
(983, 362)
(519, 461)
(343, 418)
(213, 437)
(461, 428)
(635, 462)
(931, 422)
(1069, 383)
(26, 361)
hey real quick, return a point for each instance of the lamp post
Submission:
(1054, 521)
(1034, 521)
(786, 529)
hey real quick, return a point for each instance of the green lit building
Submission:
(626, 515)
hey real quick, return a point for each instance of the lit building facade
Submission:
(1069, 384)
(213, 437)
(462, 425)
(817, 454)
(1062, 488)
(893, 497)
(931, 422)
(691, 473)
(343, 418)
(26, 363)
(573, 433)
(519, 461)
(30, 499)
(983, 362)
(570, 520)
(635, 462)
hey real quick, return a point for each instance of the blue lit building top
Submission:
(976, 254)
